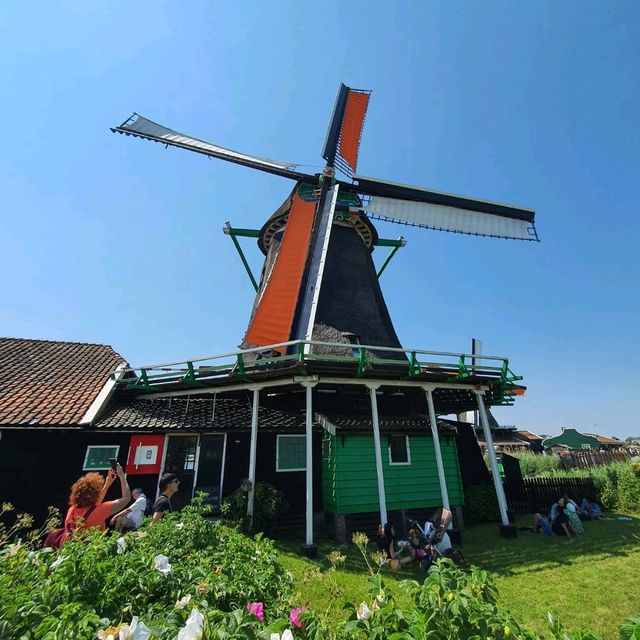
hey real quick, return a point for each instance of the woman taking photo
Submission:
(86, 500)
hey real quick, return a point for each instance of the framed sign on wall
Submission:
(145, 454)
(97, 457)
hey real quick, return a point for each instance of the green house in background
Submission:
(349, 480)
(573, 440)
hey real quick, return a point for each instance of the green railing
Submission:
(245, 365)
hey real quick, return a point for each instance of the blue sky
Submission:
(113, 240)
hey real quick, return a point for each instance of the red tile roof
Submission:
(528, 435)
(605, 439)
(44, 382)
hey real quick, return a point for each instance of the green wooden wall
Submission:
(349, 483)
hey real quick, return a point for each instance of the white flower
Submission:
(141, 534)
(135, 631)
(192, 630)
(121, 544)
(286, 635)
(162, 564)
(48, 550)
(180, 525)
(183, 602)
(57, 563)
(363, 612)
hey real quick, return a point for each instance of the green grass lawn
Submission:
(590, 581)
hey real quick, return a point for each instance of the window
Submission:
(399, 450)
(291, 453)
(326, 448)
(585, 445)
(97, 457)
(355, 340)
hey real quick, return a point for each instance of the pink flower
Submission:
(294, 616)
(257, 608)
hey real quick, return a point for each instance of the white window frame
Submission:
(396, 464)
(326, 447)
(99, 446)
(296, 435)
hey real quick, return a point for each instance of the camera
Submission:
(114, 463)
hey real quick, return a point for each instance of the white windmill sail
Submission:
(443, 218)
(444, 212)
(142, 127)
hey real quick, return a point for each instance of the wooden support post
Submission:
(436, 446)
(252, 454)
(378, 451)
(506, 529)
(309, 549)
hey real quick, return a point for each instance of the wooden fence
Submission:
(528, 495)
(590, 459)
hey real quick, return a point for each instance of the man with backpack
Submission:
(131, 517)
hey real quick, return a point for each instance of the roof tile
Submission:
(48, 382)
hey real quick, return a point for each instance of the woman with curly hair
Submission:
(86, 500)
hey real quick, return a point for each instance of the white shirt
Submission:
(136, 512)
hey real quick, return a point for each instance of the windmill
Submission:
(318, 281)
(319, 290)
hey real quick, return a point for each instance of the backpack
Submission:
(57, 537)
(148, 510)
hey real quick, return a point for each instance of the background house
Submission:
(49, 392)
(571, 440)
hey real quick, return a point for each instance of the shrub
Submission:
(268, 505)
(618, 486)
(481, 504)
(532, 465)
(187, 577)
(101, 579)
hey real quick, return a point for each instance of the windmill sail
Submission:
(444, 212)
(345, 129)
(273, 315)
(142, 127)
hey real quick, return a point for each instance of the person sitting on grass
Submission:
(572, 510)
(131, 517)
(417, 550)
(560, 523)
(386, 542)
(591, 509)
(541, 523)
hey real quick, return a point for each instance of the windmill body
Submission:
(318, 280)
(319, 314)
